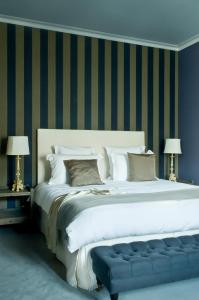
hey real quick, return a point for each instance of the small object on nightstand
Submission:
(17, 145)
(15, 215)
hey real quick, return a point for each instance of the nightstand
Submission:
(15, 215)
(190, 181)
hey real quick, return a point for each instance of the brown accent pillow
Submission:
(141, 167)
(83, 172)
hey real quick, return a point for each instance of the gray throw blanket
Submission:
(55, 208)
(66, 208)
(70, 209)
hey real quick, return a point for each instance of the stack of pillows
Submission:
(79, 166)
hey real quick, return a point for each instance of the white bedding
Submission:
(131, 219)
(45, 194)
(155, 220)
(136, 219)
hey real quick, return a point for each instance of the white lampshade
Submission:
(172, 146)
(17, 145)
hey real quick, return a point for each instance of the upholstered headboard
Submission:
(47, 138)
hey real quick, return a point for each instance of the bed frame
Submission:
(47, 138)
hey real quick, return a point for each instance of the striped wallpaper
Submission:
(57, 80)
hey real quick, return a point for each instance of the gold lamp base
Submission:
(18, 184)
(172, 176)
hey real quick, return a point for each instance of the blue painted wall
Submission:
(189, 112)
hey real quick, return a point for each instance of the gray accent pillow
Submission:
(141, 167)
(83, 172)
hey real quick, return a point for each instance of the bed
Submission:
(172, 212)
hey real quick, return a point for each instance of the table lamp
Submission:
(17, 145)
(172, 146)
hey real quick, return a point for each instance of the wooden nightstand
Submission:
(15, 215)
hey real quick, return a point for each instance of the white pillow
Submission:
(121, 150)
(120, 166)
(74, 150)
(59, 174)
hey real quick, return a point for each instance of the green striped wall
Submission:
(56, 80)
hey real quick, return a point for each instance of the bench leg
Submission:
(114, 296)
(99, 285)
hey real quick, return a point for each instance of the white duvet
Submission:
(131, 219)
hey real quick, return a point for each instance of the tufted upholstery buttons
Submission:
(146, 263)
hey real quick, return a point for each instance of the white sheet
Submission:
(44, 193)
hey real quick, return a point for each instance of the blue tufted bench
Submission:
(135, 265)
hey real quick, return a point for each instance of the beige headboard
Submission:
(47, 138)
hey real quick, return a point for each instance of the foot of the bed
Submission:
(114, 296)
